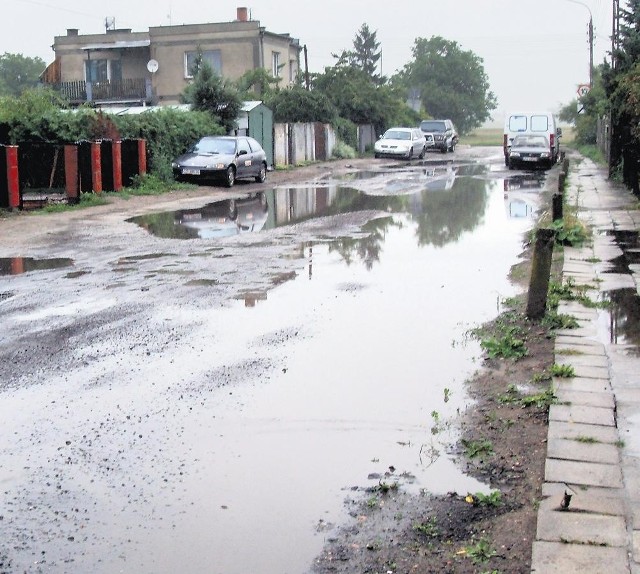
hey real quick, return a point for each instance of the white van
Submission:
(538, 123)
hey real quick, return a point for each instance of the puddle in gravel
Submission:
(288, 205)
(242, 448)
(19, 265)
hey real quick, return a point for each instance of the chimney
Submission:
(242, 14)
(72, 31)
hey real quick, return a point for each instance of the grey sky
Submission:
(535, 53)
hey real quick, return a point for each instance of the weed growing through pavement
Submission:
(563, 371)
(586, 439)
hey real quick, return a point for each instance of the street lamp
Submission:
(590, 40)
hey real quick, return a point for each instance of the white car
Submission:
(400, 142)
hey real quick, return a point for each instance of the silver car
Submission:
(222, 157)
(401, 143)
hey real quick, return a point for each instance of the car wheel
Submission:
(376, 155)
(230, 176)
(410, 156)
(510, 164)
(424, 150)
(263, 174)
(444, 149)
(453, 147)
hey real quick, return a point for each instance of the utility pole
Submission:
(590, 34)
(615, 34)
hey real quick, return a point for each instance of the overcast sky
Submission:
(535, 52)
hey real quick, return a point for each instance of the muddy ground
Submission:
(502, 443)
(392, 531)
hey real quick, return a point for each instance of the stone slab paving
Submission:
(593, 444)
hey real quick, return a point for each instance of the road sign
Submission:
(583, 89)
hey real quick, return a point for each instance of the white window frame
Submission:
(275, 64)
(214, 57)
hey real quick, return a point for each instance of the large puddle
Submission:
(240, 457)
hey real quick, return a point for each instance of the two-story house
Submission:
(121, 67)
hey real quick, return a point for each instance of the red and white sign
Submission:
(583, 89)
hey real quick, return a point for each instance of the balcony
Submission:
(127, 91)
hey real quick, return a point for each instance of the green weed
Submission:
(493, 499)
(563, 371)
(586, 439)
(474, 448)
(429, 528)
(480, 552)
(507, 346)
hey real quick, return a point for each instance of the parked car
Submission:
(531, 151)
(533, 123)
(400, 142)
(222, 157)
(439, 134)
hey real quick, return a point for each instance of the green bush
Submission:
(346, 131)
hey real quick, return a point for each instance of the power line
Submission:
(57, 8)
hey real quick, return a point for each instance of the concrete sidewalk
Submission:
(593, 451)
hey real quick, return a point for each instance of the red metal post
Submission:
(17, 265)
(116, 156)
(71, 178)
(142, 157)
(13, 180)
(96, 167)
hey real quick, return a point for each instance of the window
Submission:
(518, 124)
(292, 71)
(212, 57)
(275, 64)
(539, 123)
(97, 71)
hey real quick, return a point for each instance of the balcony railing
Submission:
(132, 90)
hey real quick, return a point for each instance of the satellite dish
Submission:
(152, 66)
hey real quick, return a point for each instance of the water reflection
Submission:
(18, 265)
(441, 217)
(624, 318)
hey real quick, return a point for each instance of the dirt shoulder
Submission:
(502, 443)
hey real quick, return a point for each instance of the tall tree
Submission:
(18, 73)
(365, 55)
(211, 93)
(451, 81)
(621, 88)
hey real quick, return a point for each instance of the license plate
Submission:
(190, 171)
(530, 159)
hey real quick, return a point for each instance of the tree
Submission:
(452, 82)
(257, 84)
(18, 73)
(299, 105)
(365, 55)
(209, 92)
(621, 89)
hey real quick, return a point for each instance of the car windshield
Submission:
(432, 127)
(214, 145)
(530, 141)
(397, 135)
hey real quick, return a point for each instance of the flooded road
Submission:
(213, 396)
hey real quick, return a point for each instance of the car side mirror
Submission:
(242, 152)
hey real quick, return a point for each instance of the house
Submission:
(121, 67)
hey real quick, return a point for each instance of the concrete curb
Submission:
(593, 450)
